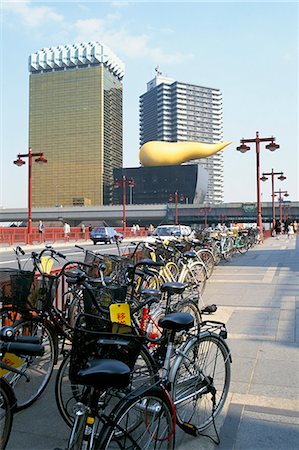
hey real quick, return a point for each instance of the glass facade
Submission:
(75, 118)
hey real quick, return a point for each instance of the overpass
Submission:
(151, 213)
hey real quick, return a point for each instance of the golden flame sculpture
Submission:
(158, 153)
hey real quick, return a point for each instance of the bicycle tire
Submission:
(243, 245)
(188, 305)
(149, 281)
(75, 306)
(7, 407)
(208, 259)
(173, 269)
(195, 277)
(217, 253)
(37, 368)
(150, 417)
(228, 250)
(204, 360)
(68, 394)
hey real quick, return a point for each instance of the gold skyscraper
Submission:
(75, 118)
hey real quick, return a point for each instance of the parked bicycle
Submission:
(16, 355)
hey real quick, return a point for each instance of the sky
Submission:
(248, 50)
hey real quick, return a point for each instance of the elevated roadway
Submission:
(150, 213)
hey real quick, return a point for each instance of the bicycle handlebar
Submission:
(81, 248)
(7, 335)
(19, 348)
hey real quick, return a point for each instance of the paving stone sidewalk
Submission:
(258, 298)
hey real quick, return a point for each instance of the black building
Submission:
(156, 184)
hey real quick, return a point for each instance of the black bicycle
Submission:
(15, 355)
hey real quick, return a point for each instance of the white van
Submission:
(169, 232)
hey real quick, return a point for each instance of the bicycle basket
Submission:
(131, 255)
(15, 286)
(98, 299)
(43, 295)
(93, 339)
(93, 260)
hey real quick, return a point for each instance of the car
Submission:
(105, 234)
(168, 232)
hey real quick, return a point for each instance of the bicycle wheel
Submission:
(144, 421)
(217, 252)
(202, 368)
(242, 246)
(190, 306)
(74, 305)
(38, 369)
(68, 394)
(228, 250)
(173, 269)
(7, 406)
(207, 258)
(8, 316)
(148, 281)
(195, 277)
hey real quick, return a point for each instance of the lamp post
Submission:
(123, 182)
(286, 211)
(243, 149)
(281, 177)
(19, 162)
(205, 210)
(176, 197)
(280, 193)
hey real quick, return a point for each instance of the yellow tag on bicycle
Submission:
(11, 360)
(120, 313)
(47, 264)
(153, 256)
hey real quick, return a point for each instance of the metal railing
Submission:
(18, 235)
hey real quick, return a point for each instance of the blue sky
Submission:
(249, 50)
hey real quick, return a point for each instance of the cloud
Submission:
(30, 15)
(121, 41)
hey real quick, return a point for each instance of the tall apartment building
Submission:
(173, 111)
(75, 118)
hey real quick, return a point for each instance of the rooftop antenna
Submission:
(157, 70)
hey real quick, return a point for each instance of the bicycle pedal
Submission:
(189, 428)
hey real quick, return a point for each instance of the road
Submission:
(8, 259)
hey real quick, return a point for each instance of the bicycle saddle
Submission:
(105, 373)
(190, 254)
(173, 287)
(75, 276)
(177, 321)
(150, 292)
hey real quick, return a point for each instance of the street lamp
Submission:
(243, 148)
(176, 197)
(280, 193)
(281, 177)
(20, 162)
(123, 182)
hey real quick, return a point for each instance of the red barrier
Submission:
(18, 235)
